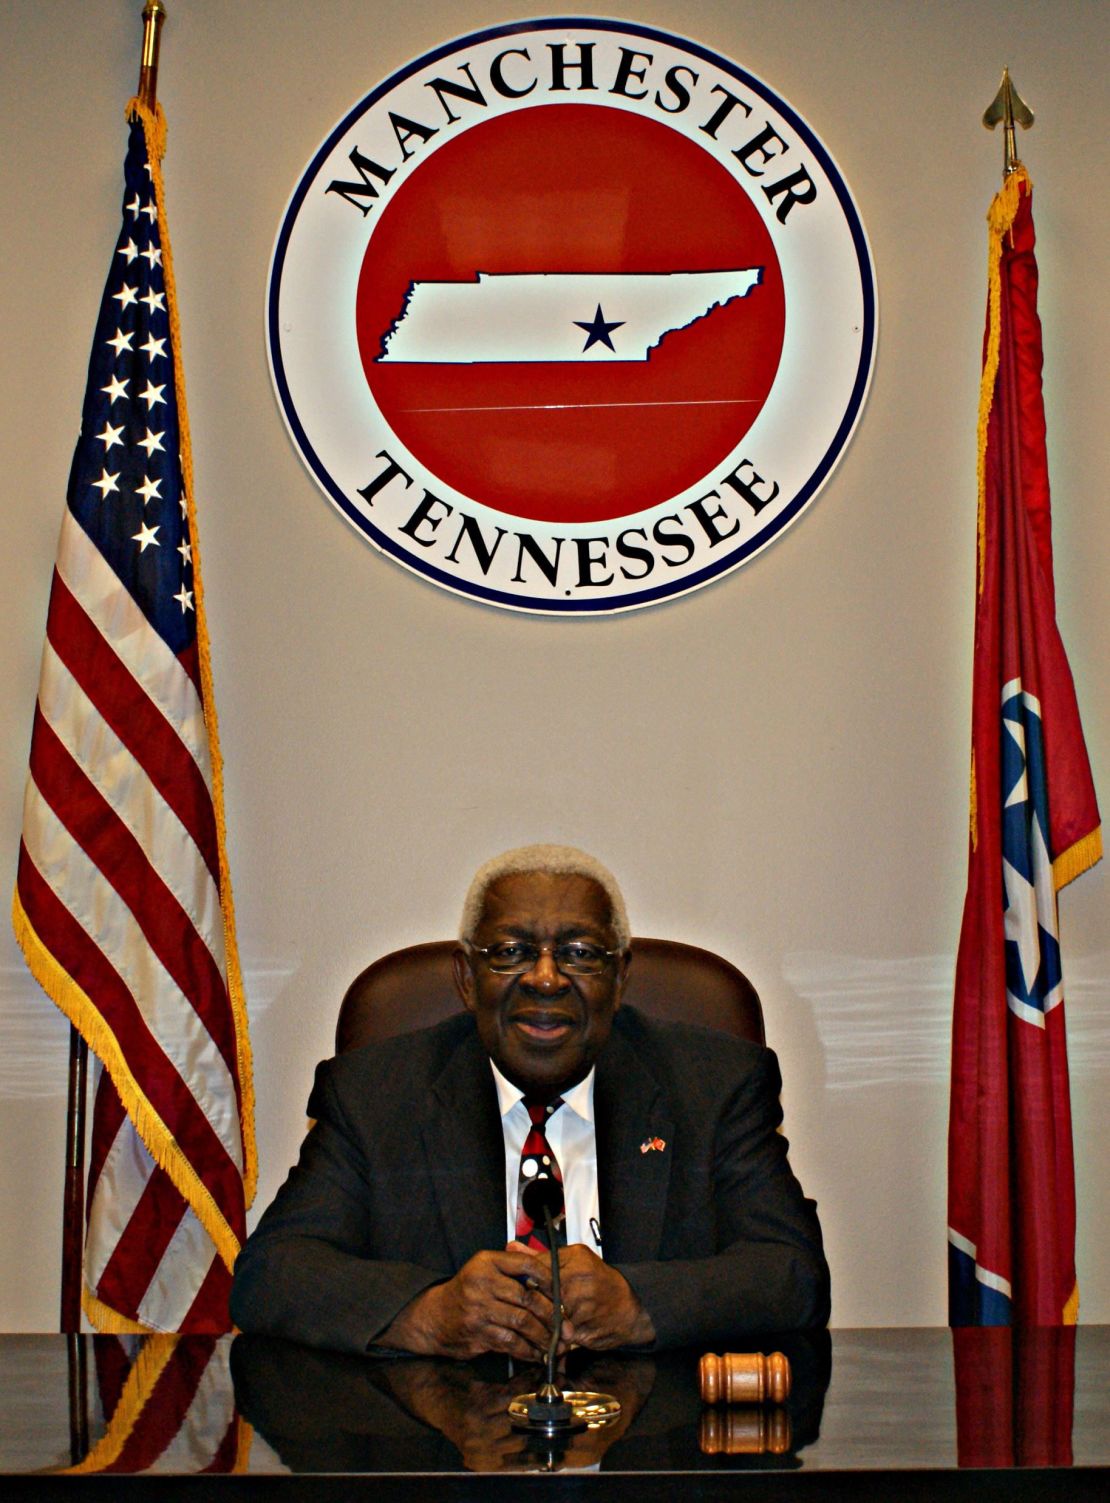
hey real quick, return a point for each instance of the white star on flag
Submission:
(107, 483)
(145, 536)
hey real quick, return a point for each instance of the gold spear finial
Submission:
(154, 13)
(1008, 109)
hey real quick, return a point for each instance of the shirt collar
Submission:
(579, 1099)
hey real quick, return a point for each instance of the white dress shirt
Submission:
(570, 1131)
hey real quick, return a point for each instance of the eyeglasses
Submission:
(512, 957)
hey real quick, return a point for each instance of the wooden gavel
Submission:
(744, 1378)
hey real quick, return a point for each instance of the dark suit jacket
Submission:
(402, 1180)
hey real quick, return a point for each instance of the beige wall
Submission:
(776, 766)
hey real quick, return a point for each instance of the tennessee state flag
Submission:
(1034, 827)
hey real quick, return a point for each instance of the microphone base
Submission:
(574, 1409)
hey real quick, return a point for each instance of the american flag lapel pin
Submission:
(652, 1145)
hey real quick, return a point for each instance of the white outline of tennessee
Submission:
(529, 317)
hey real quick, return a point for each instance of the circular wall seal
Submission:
(571, 316)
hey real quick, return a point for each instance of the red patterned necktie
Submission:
(536, 1158)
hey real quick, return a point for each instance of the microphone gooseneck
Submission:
(543, 1199)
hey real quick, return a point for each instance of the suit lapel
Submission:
(465, 1149)
(631, 1111)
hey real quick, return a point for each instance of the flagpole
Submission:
(1008, 109)
(73, 1195)
(154, 13)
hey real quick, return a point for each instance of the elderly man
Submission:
(402, 1226)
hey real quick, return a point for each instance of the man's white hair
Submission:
(558, 861)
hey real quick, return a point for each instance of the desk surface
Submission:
(873, 1414)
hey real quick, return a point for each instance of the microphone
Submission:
(549, 1411)
(543, 1200)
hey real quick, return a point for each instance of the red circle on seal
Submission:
(569, 188)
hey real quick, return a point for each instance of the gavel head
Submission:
(744, 1378)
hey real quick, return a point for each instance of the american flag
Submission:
(123, 901)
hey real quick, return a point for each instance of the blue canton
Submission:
(125, 486)
(1033, 971)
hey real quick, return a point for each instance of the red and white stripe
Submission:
(119, 878)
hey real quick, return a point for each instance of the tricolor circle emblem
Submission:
(571, 316)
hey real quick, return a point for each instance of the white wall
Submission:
(775, 766)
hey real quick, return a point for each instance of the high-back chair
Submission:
(414, 987)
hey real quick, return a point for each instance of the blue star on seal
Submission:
(598, 331)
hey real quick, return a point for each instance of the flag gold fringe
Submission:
(154, 129)
(243, 1445)
(1077, 859)
(1070, 1314)
(1000, 218)
(109, 1322)
(79, 1008)
(973, 813)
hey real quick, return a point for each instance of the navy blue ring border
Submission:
(690, 582)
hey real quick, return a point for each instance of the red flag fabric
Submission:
(123, 897)
(1034, 826)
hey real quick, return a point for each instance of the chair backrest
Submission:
(413, 988)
